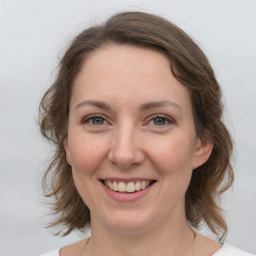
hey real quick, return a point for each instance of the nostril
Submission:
(125, 155)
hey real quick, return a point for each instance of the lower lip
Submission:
(127, 197)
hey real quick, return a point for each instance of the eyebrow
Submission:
(96, 103)
(143, 107)
(158, 104)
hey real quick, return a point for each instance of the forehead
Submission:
(114, 57)
(128, 73)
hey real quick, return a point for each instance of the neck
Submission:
(176, 238)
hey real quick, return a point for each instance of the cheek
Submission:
(174, 154)
(87, 154)
(174, 161)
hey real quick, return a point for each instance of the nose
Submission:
(125, 151)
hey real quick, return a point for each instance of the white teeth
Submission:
(110, 185)
(115, 186)
(137, 186)
(143, 184)
(129, 187)
(121, 187)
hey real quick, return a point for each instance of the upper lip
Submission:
(127, 180)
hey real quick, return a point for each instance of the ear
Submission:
(66, 147)
(203, 152)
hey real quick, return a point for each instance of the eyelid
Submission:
(166, 117)
(86, 119)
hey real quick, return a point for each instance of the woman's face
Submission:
(132, 139)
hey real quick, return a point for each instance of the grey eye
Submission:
(159, 121)
(97, 121)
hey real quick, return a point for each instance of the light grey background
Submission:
(33, 33)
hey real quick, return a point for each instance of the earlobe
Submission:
(66, 147)
(203, 152)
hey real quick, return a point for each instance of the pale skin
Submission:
(130, 118)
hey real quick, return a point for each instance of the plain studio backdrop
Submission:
(35, 33)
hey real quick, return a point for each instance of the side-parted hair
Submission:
(190, 66)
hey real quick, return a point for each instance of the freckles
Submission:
(172, 155)
(88, 155)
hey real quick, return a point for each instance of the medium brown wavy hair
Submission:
(190, 66)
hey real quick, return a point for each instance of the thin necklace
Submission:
(194, 238)
(85, 245)
(192, 250)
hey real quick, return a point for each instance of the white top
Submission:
(226, 250)
(51, 253)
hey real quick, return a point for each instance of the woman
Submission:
(142, 155)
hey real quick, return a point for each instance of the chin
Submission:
(129, 224)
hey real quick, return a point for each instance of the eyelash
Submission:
(166, 119)
(89, 118)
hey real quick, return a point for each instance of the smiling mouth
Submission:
(130, 187)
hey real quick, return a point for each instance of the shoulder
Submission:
(73, 249)
(51, 253)
(229, 250)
